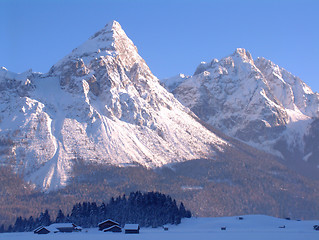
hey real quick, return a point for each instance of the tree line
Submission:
(152, 209)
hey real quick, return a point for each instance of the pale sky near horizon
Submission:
(172, 36)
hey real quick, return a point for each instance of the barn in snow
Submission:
(131, 228)
(107, 224)
(41, 230)
(58, 227)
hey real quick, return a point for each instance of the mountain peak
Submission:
(110, 41)
(110, 29)
(113, 25)
(243, 54)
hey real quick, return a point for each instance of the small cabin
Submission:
(240, 218)
(114, 228)
(107, 224)
(41, 230)
(132, 228)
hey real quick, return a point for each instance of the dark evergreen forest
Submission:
(152, 209)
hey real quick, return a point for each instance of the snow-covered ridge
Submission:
(255, 101)
(99, 104)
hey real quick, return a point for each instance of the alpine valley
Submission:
(100, 124)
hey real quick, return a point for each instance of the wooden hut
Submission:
(132, 228)
(41, 230)
(107, 224)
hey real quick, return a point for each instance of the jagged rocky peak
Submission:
(105, 42)
(110, 42)
(240, 56)
(255, 101)
(107, 59)
(244, 54)
(241, 60)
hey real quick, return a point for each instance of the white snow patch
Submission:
(305, 158)
(187, 188)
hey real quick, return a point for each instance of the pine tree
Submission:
(10, 228)
(18, 225)
(30, 225)
(44, 218)
(182, 210)
(60, 217)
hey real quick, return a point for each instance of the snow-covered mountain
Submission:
(255, 101)
(99, 104)
(100, 124)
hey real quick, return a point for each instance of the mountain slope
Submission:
(255, 101)
(100, 103)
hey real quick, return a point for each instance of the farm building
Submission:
(41, 230)
(114, 228)
(131, 228)
(107, 224)
(57, 227)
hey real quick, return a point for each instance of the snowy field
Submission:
(250, 228)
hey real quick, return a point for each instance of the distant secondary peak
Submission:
(203, 66)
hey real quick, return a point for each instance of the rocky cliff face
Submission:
(99, 104)
(255, 101)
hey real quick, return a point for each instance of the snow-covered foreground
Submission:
(251, 227)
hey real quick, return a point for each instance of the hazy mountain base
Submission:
(246, 184)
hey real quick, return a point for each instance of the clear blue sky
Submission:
(172, 36)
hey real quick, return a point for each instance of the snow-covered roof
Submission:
(109, 228)
(55, 226)
(108, 220)
(60, 225)
(131, 226)
(39, 228)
